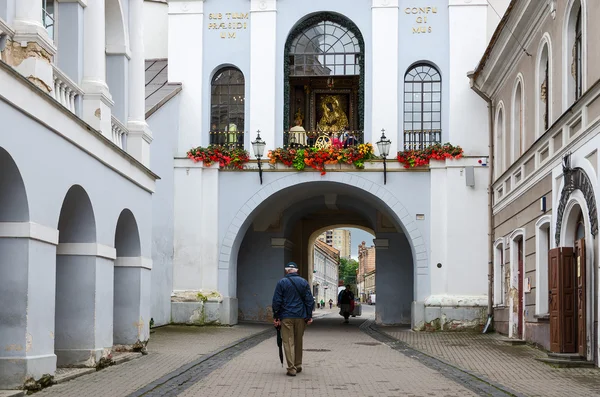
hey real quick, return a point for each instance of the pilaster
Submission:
(97, 101)
(186, 24)
(263, 70)
(384, 14)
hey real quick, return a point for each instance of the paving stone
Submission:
(169, 348)
(515, 367)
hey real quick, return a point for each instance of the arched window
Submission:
(542, 246)
(325, 49)
(574, 54)
(227, 107)
(543, 93)
(517, 122)
(499, 144)
(422, 107)
(499, 273)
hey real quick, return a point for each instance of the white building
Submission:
(93, 244)
(326, 264)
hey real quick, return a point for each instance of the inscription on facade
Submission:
(421, 14)
(228, 23)
(576, 179)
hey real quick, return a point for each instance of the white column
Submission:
(385, 72)
(186, 25)
(140, 136)
(31, 34)
(263, 62)
(97, 101)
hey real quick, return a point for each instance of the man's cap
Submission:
(291, 265)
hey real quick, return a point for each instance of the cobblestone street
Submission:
(356, 359)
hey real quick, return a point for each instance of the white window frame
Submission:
(568, 39)
(545, 43)
(517, 123)
(500, 137)
(499, 273)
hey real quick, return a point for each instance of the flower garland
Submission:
(417, 158)
(318, 158)
(224, 156)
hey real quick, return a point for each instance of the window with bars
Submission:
(48, 16)
(325, 49)
(227, 107)
(422, 107)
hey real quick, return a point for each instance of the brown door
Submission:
(520, 288)
(561, 296)
(580, 276)
(554, 259)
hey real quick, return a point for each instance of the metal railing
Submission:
(66, 91)
(232, 140)
(421, 139)
(300, 139)
(119, 133)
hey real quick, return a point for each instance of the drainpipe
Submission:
(486, 98)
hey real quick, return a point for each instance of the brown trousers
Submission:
(292, 331)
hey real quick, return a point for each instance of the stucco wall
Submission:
(164, 124)
(156, 27)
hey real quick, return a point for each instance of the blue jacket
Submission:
(286, 301)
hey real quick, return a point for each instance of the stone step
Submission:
(11, 393)
(560, 363)
(514, 342)
(566, 356)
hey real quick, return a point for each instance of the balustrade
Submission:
(119, 133)
(321, 139)
(419, 140)
(66, 91)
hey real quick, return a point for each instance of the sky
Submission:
(358, 236)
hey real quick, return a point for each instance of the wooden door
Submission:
(581, 295)
(554, 259)
(561, 297)
(567, 300)
(520, 288)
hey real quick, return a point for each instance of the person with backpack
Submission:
(293, 304)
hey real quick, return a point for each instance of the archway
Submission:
(14, 273)
(128, 282)
(82, 325)
(324, 58)
(264, 237)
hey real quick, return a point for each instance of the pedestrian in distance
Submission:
(292, 305)
(346, 301)
(322, 304)
(330, 303)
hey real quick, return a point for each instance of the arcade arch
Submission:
(264, 237)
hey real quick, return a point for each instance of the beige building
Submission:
(540, 75)
(365, 274)
(340, 239)
(326, 264)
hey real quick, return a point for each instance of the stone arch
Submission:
(129, 276)
(235, 232)
(117, 34)
(14, 205)
(77, 223)
(127, 236)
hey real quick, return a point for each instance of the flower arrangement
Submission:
(226, 157)
(318, 158)
(417, 158)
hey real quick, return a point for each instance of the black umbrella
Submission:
(279, 344)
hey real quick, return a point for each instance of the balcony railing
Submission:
(420, 139)
(233, 139)
(66, 91)
(319, 139)
(119, 133)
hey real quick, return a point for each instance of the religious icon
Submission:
(333, 118)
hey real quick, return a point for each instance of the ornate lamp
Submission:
(258, 147)
(384, 150)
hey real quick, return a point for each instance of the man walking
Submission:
(293, 305)
(346, 301)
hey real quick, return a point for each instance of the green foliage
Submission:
(347, 272)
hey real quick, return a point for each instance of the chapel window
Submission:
(422, 107)
(227, 107)
(48, 16)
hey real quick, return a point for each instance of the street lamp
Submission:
(384, 149)
(258, 147)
